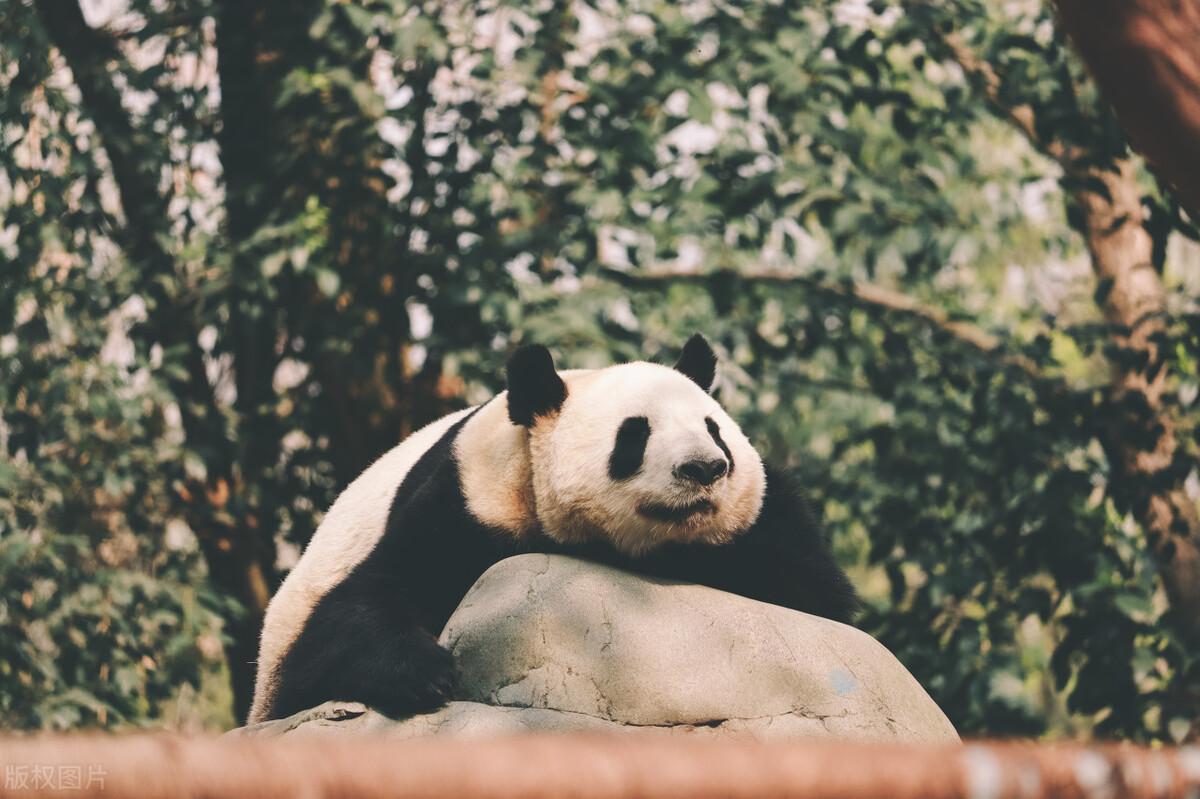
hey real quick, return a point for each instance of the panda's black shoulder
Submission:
(791, 551)
(787, 509)
(788, 534)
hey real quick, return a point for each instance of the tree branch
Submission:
(87, 53)
(976, 68)
(1022, 117)
(866, 295)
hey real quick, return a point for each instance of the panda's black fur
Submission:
(372, 637)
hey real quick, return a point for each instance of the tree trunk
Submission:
(1142, 436)
(1145, 54)
(250, 34)
(236, 573)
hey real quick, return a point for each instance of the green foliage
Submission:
(104, 613)
(383, 198)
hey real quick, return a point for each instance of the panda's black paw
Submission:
(425, 677)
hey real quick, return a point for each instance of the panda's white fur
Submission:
(546, 482)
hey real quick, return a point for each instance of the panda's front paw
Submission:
(437, 677)
(426, 677)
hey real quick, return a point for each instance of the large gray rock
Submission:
(545, 642)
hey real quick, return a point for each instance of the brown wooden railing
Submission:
(570, 766)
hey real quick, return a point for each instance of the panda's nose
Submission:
(702, 471)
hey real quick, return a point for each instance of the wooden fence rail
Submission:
(566, 766)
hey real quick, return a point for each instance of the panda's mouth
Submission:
(676, 513)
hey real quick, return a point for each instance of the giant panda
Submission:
(634, 464)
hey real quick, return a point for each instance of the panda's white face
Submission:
(639, 455)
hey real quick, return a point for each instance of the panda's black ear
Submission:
(698, 362)
(534, 387)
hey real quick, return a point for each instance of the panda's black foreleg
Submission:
(359, 647)
(760, 566)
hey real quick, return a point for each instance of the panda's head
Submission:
(636, 454)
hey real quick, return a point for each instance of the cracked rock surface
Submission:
(550, 643)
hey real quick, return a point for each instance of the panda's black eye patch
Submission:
(715, 432)
(630, 448)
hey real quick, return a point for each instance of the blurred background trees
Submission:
(247, 245)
